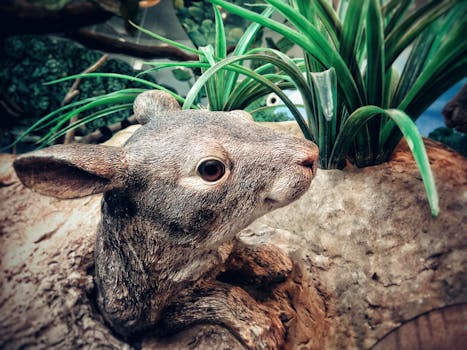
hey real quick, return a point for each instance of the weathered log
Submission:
(105, 43)
(368, 259)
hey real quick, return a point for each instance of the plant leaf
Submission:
(166, 41)
(409, 29)
(221, 45)
(325, 88)
(312, 42)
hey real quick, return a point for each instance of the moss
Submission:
(30, 61)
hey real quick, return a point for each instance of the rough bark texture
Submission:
(368, 259)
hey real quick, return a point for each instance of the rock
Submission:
(373, 250)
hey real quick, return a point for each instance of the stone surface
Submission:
(369, 257)
(370, 244)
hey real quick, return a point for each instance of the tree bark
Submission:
(369, 264)
(105, 43)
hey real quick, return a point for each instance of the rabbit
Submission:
(181, 187)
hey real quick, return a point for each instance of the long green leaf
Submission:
(165, 40)
(242, 46)
(117, 76)
(325, 14)
(55, 116)
(46, 121)
(453, 51)
(335, 60)
(351, 35)
(325, 88)
(375, 71)
(440, 84)
(401, 8)
(295, 76)
(221, 45)
(89, 118)
(324, 53)
(102, 101)
(413, 66)
(404, 34)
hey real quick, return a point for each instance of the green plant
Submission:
(360, 115)
(452, 138)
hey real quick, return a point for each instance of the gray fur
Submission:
(162, 225)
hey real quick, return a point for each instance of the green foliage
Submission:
(358, 42)
(455, 140)
(31, 61)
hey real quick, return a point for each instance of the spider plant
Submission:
(357, 105)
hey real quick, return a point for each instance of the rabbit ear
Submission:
(153, 102)
(72, 171)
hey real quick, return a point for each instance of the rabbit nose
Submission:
(309, 162)
(310, 159)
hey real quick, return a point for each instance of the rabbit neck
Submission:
(140, 268)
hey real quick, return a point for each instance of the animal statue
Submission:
(183, 185)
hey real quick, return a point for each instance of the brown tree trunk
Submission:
(368, 259)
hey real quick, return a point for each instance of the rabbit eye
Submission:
(211, 170)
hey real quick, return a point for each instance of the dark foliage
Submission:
(30, 61)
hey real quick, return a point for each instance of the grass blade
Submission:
(409, 29)
(89, 118)
(325, 88)
(401, 8)
(243, 44)
(165, 40)
(109, 99)
(118, 76)
(221, 45)
(351, 35)
(375, 71)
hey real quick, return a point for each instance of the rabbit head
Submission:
(194, 174)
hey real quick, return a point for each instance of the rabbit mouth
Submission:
(286, 190)
(271, 202)
(274, 201)
(280, 199)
